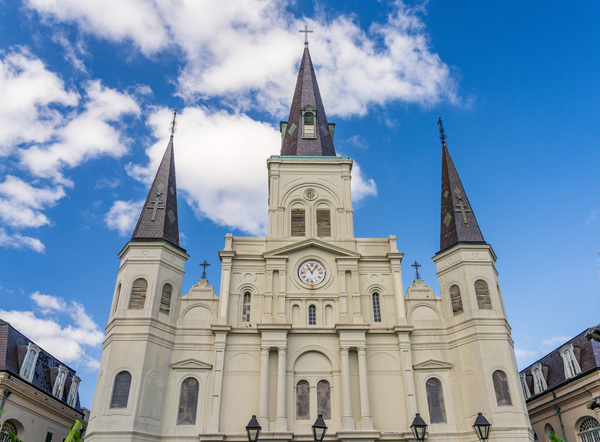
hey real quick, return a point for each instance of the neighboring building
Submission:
(40, 394)
(310, 320)
(558, 388)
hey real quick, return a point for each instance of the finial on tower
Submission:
(442, 132)
(306, 31)
(174, 123)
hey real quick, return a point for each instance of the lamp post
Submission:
(253, 429)
(482, 427)
(419, 427)
(319, 429)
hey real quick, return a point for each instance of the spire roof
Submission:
(158, 219)
(307, 98)
(458, 222)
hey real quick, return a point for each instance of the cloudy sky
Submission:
(86, 95)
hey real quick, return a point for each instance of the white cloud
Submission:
(17, 241)
(70, 334)
(555, 340)
(243, 52)
(221, 171)
(123, 215)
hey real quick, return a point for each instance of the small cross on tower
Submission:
(416, 265)
(158, 205)
(462, 208)
(306, 32)
(204, 265)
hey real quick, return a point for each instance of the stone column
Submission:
(343, 297)
(365, 410)
(268, 316)
(226, 261)
(263, 398)
(281, 420)
(347, 420)
(215, 398)
(407, 373)
(281, 296)
(357, 317)
(398, 290)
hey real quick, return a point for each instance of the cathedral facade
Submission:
(309, 320)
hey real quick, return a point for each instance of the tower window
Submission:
(246, 307)
(501, 388)
(138, 294)
(120, 394)
(323, 222)
(483, 295)
(456, 300)
(312, 315)
(165, 298)
(308, 125)
(376, 308)
(298, 222)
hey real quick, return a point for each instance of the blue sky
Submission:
(87, 88)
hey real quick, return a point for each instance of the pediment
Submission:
(432, 364)
(311, 242)
(191, 364)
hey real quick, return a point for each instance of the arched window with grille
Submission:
(246, 303)
(7, 428)
(435, 401)
(165, 298)
(302, 400)
(138, 294)
(312, 315)
(482, 292)
(324, 399)
(456, 300)
(188, 402)
(501, 388)
(589, 430)
(120, 393)
(376, 308)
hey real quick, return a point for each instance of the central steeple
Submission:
(307, 132)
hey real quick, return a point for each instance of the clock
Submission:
(311, 272)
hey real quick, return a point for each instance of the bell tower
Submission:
(140, 334)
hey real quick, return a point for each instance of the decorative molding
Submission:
(191, 364)
(433, 364)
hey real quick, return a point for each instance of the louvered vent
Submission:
(298, 223)
(323, 222)
(165, 299)
(138, 294)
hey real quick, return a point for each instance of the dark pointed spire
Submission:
(315, 138)
(459, 224)
(158, 219)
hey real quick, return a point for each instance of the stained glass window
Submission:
(324, 399)
(188, 402)
(435, 401)
(302, 400)
(501, 388)
(120, 393)
(246, 307)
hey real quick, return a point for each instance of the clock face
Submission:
(311, 272)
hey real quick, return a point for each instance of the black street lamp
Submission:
(319, 429)
(482, 427)
(253, 429)
(419, 427)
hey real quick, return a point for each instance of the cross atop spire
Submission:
(306, 32)
(307, 131)
(158, 220)
(458, 222)
(174, 123)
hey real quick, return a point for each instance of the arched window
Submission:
(7, 428)
(298, 221)
(589, 430)
(28, 365)
(188, 402)
(376, 308)
(308, 125)
(501, 388)
(324, 399)
(138, 294)
(312, 315)
(456, 300)
(246, 307)
(302, 400)
(483, 295)
(549, 430)
(570, 363)
(120, 393)
(323, 221)
(165, 298)
(539, 381)
(435, 401)
(524, 386)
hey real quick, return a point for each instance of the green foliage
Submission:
(13, 438)
(555, 438)
(74, 432)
